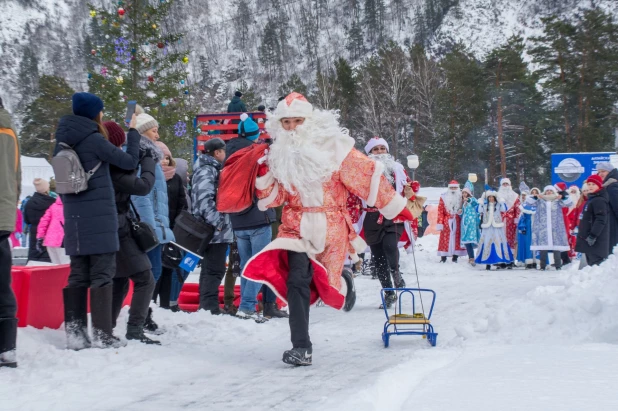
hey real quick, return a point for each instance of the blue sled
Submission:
(408, 324)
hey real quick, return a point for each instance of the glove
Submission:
(39, 245)
(262, 169)
(591, 240)
(416, 186)
(147, 153)
(405, 215)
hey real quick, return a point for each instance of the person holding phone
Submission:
(91, 224)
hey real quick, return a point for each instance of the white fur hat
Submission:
(374, 142)
(550, 188)
(505, 180)
(144, 122)
(294, 105)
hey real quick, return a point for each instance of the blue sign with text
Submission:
(574, 168)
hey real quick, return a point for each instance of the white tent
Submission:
(32, 168)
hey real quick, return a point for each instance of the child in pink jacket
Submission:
(51, 233)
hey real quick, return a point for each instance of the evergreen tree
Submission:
(375, 11)
(28, 83)
(270, 51)
(355, 42)
(242, 22)
(137, 57)
(294, 83)
(347, 92)
(42, 115)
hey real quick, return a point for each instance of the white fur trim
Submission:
(297, 108)
(375, 184)
(453, 186)
(394, 207)
(265, 202)
(359, 244)
(439, 227)
(549, 188)
(244, 116)
(375, 141)
(262, 183)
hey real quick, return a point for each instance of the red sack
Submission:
(237, 179)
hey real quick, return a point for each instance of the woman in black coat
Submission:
(131, 262)
(33, 212)
(169, 285)
(593, 230)
(91, 223)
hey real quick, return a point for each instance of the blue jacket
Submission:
(154, 208)
(90, 218)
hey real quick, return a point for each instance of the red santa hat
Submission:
(560, 187)
(453, 184)
(294, 105)
(374, 142)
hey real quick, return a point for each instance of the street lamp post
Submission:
(413, 163)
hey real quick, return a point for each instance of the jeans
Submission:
(250, 242)
(177, 285)
(470, 250)
(8, 303)
(154, 256)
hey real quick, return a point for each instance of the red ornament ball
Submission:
(121, 11)
(151, 79)
(160, 45)
(93, 52)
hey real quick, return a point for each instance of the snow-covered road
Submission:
(508, 340)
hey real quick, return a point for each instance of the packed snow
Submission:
(508, 340)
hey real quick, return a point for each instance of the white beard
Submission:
(390, 165)
(452, 201)
(299, 159)
(508, 195)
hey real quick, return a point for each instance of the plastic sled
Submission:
(414, 323)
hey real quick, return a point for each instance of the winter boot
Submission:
(8, 339)
(389, 298)
(367, 267)
(136, 332)
(149, 324)
(76, 317)
(398, 280)
(510, 266)
(272, 311)
(350, 296)
(251, 315)
(471, 262)
(443, 259)
(488, 267)
(298, 356)
(229, 309)
(101, 315)
(454, 259)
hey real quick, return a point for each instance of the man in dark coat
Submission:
(33, 212)
(593, 232)
(609, 174)
(237, 105)
(131, 261)
(10, 187)
(91, 222)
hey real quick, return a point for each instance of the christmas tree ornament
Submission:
(89, 75)
(163, 103)
(121, 94)
(160, 45)
(182, 82)
(185, 59)
(150, 79)
(121, 12)
(104, 71)
(133, 51)
(186, 91)
(119, 80)
(93, 13)
(180, 129)
(154, 26)
(107, 36)
(93, 52)
(186, 118)
(123, 54)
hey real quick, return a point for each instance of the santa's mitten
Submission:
(405, 215)
(416, 186)
(263, 169)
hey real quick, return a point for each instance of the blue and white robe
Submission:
(493, 246)
(524, 241)
(470, 232)
(548, 229)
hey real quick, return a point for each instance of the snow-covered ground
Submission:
(508, 340)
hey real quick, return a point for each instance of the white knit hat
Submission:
(294, 105)
(374, 142)
(144, 121)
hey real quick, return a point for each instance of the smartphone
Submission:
(130, 111)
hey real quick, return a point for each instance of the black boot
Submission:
(350, 297)
(398, 280)
(455, 257)
(443, 259)
(8, 340)
(272, 311)
(101, 315)
(149, 324)
(298, 356)
(488, 267)
(389, 298)
(76, 317)
(136, 332)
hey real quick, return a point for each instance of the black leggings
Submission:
(143, 284)
(385, 257)
(299, 293)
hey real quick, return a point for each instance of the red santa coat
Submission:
(450, 234)
(320, 225)
(511, 219)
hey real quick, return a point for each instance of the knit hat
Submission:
(596, 179)
(294, 105)
(144, 121)
(453, 184)
(116, 133)
(213, 144)
(561, 187)
(374, 142)
(87, 105)
(248, 128)
(605, 166)
(261, 107)
(238, 94)
(41, 185)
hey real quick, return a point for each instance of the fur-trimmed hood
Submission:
(147, 144)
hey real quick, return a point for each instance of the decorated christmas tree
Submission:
(136, 55)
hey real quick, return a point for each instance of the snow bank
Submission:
(583, 309)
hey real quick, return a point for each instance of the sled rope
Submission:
(418, 283)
